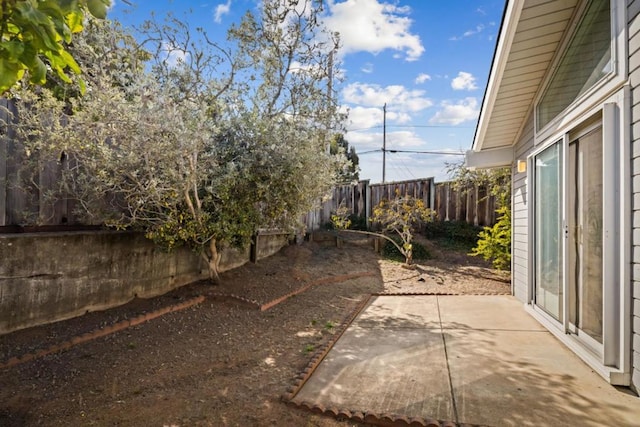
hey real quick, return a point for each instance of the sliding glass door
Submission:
(568, 238)
(549, 292)
(585, 215)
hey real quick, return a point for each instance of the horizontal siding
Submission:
(520, 218)
(634, 78)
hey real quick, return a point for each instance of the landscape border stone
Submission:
(358, 415)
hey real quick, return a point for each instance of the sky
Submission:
(427, 60)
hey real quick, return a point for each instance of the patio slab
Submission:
(468, 359)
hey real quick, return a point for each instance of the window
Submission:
(586, 61)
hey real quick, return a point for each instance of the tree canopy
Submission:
(351, 171)
(200, 148)
(35, 34)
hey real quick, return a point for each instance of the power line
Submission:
(437, 152)
(411, 126)
(370, 151)
(452, 153)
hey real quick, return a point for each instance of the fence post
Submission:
(253, 256)
(4, 143)
(367, 204)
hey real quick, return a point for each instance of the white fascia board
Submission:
(505, 40)
(488, 159)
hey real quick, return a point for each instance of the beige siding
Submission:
(634, 78)
(520, 234)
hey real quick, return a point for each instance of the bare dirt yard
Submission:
(222, 361)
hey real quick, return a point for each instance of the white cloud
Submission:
(221, 10)
(397, 97)
(362, 117)
(367, 68)
(365, 141)
(464, 81)
(398, 117)
(477, 30)
(422, 77)
(173, 55)
(401, 140)
(404, 140)
(456, 113)
(373, 26)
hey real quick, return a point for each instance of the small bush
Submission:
(358, 222)
(389, 251)
(458, 231)
(494, 243)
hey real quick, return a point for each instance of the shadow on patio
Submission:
(463, 359)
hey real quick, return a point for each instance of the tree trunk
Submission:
(212, 256)
(409, 257)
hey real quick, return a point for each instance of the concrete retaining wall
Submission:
(46, 277)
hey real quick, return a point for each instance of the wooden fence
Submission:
(25, 186)
(25, 202)
(471, 205)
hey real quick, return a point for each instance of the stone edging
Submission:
(321, 353)
(124, 324)
(436, 293)
(370, 418)
(98, 333)
(270, 304)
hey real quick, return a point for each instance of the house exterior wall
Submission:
(520, 216)
(521, 197)
(634, 80)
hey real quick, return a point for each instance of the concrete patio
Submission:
(463, 359)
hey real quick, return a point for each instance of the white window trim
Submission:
(601, 90)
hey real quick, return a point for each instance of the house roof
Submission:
(530, 35)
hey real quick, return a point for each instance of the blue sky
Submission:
(428, 60)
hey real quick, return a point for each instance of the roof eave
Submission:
(508, 28)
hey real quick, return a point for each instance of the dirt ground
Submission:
(221, 362)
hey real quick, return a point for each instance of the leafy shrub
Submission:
(494, 243)
(454, 235)
(391, 252)
(358, 222)
(459, 231)
(401, 216)
(350, 222)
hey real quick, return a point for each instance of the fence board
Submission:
(472, 205)
(4, 142)
(19, 201)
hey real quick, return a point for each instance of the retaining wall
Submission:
(47, 277)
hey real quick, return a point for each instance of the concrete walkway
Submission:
(466, 359)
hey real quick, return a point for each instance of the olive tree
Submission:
(207, 148)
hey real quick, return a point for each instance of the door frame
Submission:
(614, 361)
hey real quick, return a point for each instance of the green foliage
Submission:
(35, 35)
(401, 216)
(351, 170)
(453, 233)
(329, 325)
(340, 218)
(358, 222)
(343, 219)
(497, 181)
(494, 243)
(419, 251)
(200, 151)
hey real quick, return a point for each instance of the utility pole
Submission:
(329, 99)
(384, 142)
